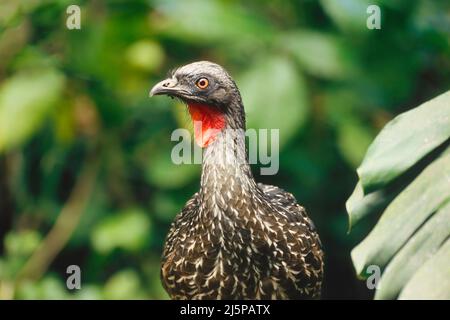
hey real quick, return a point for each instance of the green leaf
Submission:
(360, 205)
(432, 280)
(348, 15)
(414, 254)
(124, 285)
(145, 55)
(204, 21)
(48, 288)
(89, 292)
(320, 54)
(25, 101)
(404, 215)
(22, 243)
(275, 97)
(162, 172)
(404, 141)
(52, 288)
(127, 230)
(28, 290)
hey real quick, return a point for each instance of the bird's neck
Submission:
(226, 173)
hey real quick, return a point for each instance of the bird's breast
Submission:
(229, 258)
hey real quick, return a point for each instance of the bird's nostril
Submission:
(169, 83)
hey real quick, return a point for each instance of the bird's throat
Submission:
(208, 123)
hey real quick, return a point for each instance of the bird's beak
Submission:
(168, 86)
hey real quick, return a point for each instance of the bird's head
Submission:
(211, 95)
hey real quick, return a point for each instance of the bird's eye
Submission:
(202, 83)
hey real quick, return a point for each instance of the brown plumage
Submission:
(234, 239)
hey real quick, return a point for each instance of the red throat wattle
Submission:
(208, 122)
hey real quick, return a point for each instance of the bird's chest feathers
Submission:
(208, 123)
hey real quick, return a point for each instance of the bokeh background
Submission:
(85, 170)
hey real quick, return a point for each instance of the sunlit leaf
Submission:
(28, 290)
(53, 288)
(25, 101)
(89, 292)
(49, 288)
(203, 20)
(22, 243)
(123, 285)
(145, 55)
(127, 230)
(349, 15)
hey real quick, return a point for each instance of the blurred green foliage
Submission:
(74, 109)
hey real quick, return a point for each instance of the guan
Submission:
(235, 238)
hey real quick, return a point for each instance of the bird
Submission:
(235, 238)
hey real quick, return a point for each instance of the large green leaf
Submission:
(426, 194)
(275, 97)
(412, 256)
(25, 100)
(432, 280)
(404, 141)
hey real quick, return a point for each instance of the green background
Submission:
(85, 170)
